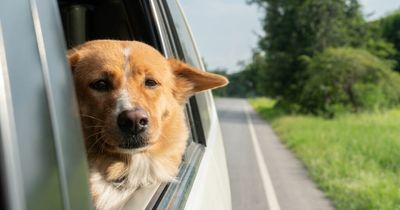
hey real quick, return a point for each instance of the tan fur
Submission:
(115, 173)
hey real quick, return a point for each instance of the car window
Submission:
(142, 21)
(174, 195)
(200, 104)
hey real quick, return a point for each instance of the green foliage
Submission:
(321, 56)
(297, 28)
(241, 84)
(353, 158)
(345, 79)
(268, 108)
(256, 70)
(382, 49)
(220, 91)
(390, 31)
(378, 44)
(249, 82)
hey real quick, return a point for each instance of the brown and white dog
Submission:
(131, 102)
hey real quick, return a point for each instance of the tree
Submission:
(297, 28)
(248, 82)
(255, 72)
(348, 79)
(390, 31)
(224, 90)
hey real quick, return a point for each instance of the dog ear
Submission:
(190, 80)
(73, 58)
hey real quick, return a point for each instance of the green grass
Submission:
(354, 158)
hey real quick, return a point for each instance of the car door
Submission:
(43, 163)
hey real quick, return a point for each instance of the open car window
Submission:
(151, 22)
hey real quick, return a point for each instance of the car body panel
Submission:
(211, 188)
(48, 137)
(42, 158)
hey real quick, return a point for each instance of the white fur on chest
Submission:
(142, 171)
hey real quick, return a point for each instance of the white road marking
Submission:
(266, 179)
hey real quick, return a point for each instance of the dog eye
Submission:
(150, 83)
(101, 85)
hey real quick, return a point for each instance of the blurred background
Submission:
(325, 75)
(232, 38)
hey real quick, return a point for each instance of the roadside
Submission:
(256, 158)
(353, 157)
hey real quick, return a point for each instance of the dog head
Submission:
(127, 90)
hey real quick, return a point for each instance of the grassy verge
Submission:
(354, 158)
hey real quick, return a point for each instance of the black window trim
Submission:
(156, 23)
(174, 195)
(194, 113)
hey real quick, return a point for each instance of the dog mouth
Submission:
(131, 151)
(130, 142)
(133, 126)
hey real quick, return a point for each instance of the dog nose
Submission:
(133, 121)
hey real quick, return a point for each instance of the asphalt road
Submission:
(263, 173)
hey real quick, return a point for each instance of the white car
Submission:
(43, 164)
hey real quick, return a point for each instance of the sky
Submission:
(226, 31)
(379, 8)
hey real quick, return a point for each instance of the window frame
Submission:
(174, 195)
(160, 26)
(200, 102)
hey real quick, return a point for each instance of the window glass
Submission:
(185, 39)
(200, 104)
(175, 194)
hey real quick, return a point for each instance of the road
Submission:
(263, 173)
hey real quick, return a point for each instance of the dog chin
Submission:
(132, 151)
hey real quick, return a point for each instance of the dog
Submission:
(131, 102)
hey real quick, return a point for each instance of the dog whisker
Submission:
(96, 142)
(92, 117)
(127, 123)
(94, 134)
(95, 126)
(102, 146)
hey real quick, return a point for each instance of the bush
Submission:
(347, 79)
